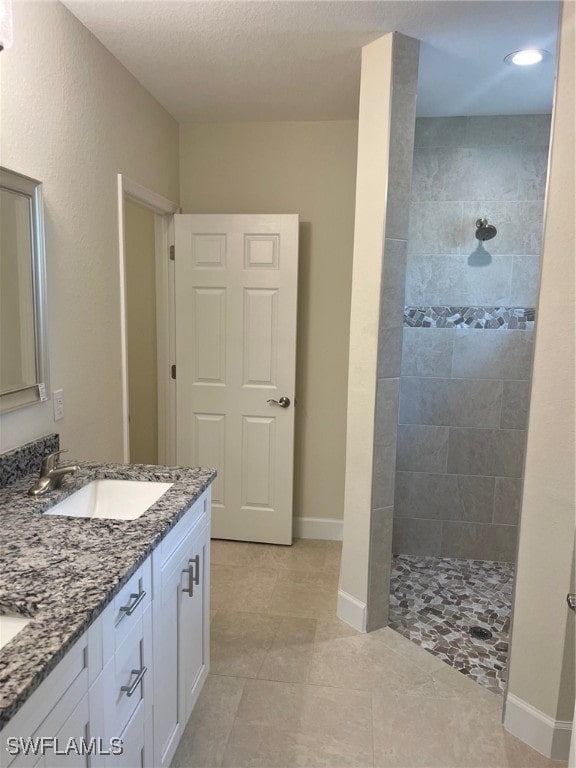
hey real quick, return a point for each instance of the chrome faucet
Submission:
(51, 475)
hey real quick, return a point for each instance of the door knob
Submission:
(571, 600)
(284, 402)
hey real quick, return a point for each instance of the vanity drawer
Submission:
(126, 609)
(127, 683)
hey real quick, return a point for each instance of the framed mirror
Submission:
(23, 350)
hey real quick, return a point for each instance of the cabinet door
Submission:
(180, 636)
(136, 744)
(169, 717)
(73, 734)
(194, 620)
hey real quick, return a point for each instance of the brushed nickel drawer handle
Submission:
(131, 607)
(129, 689)
(196, 562)
(193, 572)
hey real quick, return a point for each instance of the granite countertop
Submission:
(63, 571)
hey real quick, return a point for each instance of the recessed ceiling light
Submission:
(525, 57)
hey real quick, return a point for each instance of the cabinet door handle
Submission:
(137, 597)
(129, 689)
(193, 572)
(196, 562)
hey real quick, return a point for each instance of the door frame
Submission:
(164, 210)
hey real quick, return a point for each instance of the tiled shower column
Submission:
(387, 104)
(392, 287)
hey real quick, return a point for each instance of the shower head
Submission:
(485, 231)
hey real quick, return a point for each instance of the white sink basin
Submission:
(111, 499)
(10, 625)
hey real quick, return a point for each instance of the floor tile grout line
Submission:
(233, 723)
(372, 720)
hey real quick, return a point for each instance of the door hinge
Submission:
(173, 371)
(172, 251)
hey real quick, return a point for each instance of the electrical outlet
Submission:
(58, 404)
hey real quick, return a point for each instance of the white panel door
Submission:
(236, 292)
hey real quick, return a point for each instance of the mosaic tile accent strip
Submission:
(434, 602)
(490, 318)
(27, 458)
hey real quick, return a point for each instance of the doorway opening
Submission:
(147, 324)
(465, 384)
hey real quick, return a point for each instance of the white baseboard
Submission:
(329, 529)
(351, 610)
(544, 734)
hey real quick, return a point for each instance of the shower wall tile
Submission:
(386, 415)
(381, 523)
(406, 61)
(439, 174)
(471, 173)
(393, 283)
(479, 173)
(427, 352)
(422, 448)
(474, 541)
(444, 497)
(417, 537)
(493, 452)
(450, 279)
(525, 280)
(531, 179)
(491, 354)
(402, 126)
(507, 501)
(515, 403)
(384, 477)
(435, 227)
(390, 352)
(451, 402)
(506, 130)
(400, 163)
(440, 132)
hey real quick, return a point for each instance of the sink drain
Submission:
(480, 633)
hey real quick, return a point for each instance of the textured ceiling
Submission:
(267, 60)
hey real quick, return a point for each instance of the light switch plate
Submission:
(58, 404)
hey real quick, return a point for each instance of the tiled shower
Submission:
(465, 378)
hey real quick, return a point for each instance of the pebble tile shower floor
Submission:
(434, 602)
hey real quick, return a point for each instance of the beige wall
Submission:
(73, 117)
(309, 169)
(542, 649)
(141, 333)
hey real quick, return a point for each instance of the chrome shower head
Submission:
(485, 231)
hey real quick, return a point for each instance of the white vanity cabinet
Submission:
(59, 709)
(181, 566)
(136, 673)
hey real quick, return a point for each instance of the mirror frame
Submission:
(37, 392)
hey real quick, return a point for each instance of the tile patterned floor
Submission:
(434, 601)
(293, 687)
